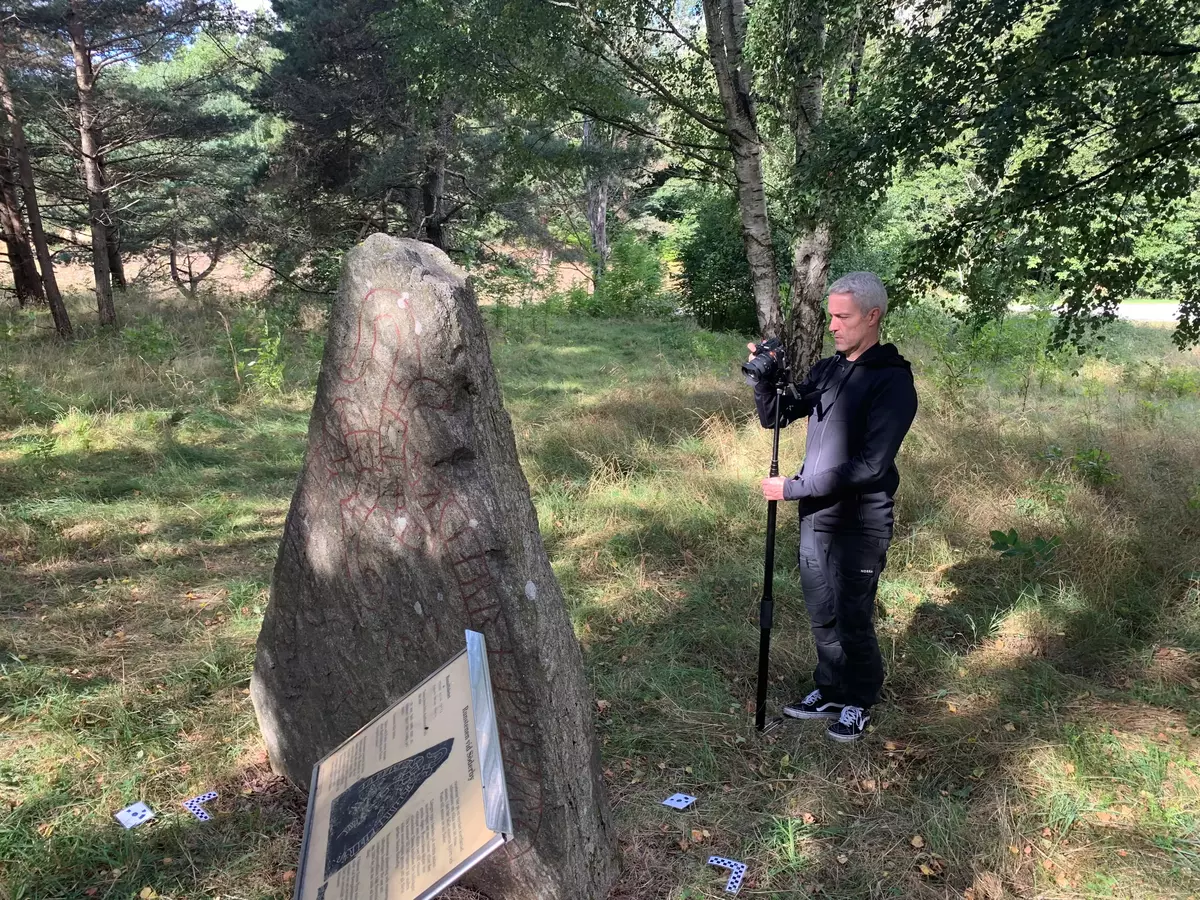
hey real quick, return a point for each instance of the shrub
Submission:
(149, 340)
(632, 285)
(1095, 466)
(717, 290)
(1039, 550)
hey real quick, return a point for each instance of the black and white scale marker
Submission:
(134, 815)
(196, 805)
(679, 801)
(737, 871)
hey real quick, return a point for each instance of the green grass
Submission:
(1041, 729)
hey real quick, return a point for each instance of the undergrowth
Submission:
(1040, 734)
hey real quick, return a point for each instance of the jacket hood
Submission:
(882, 356)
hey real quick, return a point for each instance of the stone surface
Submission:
(412, 522)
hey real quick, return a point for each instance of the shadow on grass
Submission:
(1017, 754)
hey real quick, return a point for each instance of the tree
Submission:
(725, 37)
(780, 94)
(27, 283)
(596, 184)
(1078, 123)
(102, 37)
(58, 311)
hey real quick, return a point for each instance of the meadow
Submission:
(1039, 615)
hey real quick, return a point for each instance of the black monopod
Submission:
(766, 607)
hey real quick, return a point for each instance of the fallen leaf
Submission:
(1014, 849)
(147, 893)
(950, 706)
(697, 836)
(289, 875)
(931, 865)
(917, 841)
(602, 706)
(843, 858)
(1009, 726)
(809, 818)
(91, 892)
(683, 844)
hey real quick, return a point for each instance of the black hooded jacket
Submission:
(859, 412)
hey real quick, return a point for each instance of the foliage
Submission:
(259, 353)
(1077, 122)
(1094, 465)
(632, 286)
(1039, 550)
(149, 339)
(714, 275)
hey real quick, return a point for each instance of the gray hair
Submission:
(867, 290)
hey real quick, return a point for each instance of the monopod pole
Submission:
(766, 607)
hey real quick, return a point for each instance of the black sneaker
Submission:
(850, 725)
(814, 706)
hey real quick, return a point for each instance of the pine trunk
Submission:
(26, 281)
(93, 176)
(112, 237)
(412, 522)
(62, 322)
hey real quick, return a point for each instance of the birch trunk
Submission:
(725, 21)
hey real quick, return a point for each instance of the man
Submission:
(860, 403)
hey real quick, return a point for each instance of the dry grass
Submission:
(1039, 737)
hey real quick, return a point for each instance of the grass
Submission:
(1041, 735)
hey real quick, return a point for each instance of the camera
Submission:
(769, 364)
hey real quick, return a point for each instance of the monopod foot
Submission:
(771, 725)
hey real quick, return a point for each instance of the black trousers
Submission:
(839, 573)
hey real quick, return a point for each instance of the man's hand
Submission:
(772, 488)
(750, 347)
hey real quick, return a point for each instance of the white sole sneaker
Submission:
(824, 711)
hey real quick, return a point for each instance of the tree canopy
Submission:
(979, 152)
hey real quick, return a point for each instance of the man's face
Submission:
(853, 332)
